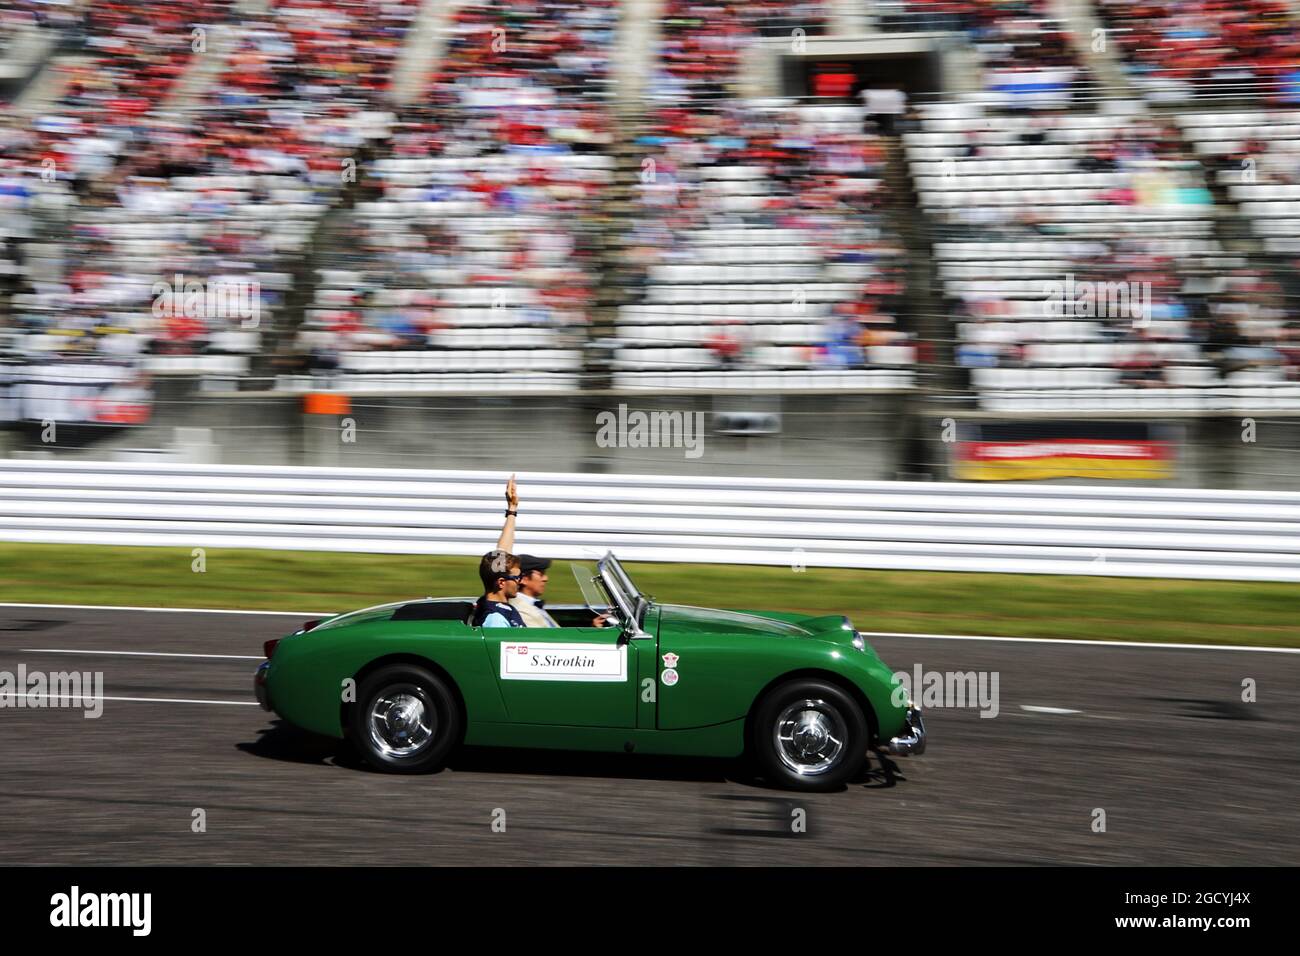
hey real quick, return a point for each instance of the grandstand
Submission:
(461, 198)
(1213, 48)
(1109, 197)
(472, 263)
(768, 262)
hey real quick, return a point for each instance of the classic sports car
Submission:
(805, 697)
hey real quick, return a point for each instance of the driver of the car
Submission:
(532, 585)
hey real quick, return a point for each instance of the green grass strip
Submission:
(1009, 605)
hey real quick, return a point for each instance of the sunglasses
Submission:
(512, 577)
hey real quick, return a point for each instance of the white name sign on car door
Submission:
(568, 662)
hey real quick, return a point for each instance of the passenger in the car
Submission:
(499, 572)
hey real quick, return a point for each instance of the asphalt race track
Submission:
(1161, 741)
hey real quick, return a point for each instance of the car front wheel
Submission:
(405, 720)
(809, 735)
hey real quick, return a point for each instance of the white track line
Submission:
(169, 610)
(148, 700)
(1083, 643)
(55, 650)
(929, 637)
(1049, 710)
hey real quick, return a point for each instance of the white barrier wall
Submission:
(1041, 529)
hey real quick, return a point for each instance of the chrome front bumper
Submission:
(259, 685)
(911, 743)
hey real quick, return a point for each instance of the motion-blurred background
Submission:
(1038, 239)
(685, 267)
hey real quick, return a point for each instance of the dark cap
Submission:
(529, 564)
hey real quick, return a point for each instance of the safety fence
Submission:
(1041, 529)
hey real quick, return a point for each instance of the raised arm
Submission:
(507, 540)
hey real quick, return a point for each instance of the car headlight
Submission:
(859, 641)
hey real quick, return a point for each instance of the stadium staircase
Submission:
(924, 305)
(423, 48)
(637, 49)
(1103, 63)
(849, 18)
(47, 85)
(636, 60)
(330, 238)
(207, 66)
(24, 56)
(939, 380)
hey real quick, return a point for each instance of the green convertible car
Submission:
(805, 697)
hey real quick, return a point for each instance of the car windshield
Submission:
(593, 590)
(621, 589)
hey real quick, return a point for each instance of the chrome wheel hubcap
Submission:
(810, 737)
(402, 721)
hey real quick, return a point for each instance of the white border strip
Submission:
(148, 700)
(171, 610)
(54, 650)
(1070, 640)
(928, 637)
(1034, 709)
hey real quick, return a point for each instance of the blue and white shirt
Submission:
(495, 614)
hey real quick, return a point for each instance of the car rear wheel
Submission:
(405, 720)
(809, 735)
